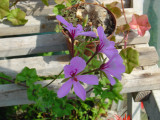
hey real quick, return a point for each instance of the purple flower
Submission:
(113, 68)
(75, 31)
(105, 46)
(71, 71)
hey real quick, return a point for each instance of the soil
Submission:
(97, 16)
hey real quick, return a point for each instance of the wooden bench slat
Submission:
(141, 81)
(52, 65)
(152, 105)
(40, 24)
(15, 46)
(47, 65)
(12, 94)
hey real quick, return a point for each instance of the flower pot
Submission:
(92, 45)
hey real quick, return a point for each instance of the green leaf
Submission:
(111, 5)
(59, 1)
(58, 8)
(45, 2)
(2, 81)
(4, 8)
(27, 75)
(122, 28)
(58, 28)
(130, 59)
(116, 11)
(17, 17)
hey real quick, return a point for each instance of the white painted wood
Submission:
(133, 108)
(138, 6)
(26, 45)
(152, 105)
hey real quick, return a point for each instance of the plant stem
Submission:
(15, 3)
(54, 79)
(91, 71)
(12, 81)
(91, 57)
(124, 12)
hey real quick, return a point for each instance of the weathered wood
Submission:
(139, 96)
(15, 46)
(37, 24)
(133, 108)
(141, 81)
(49, 65)
(152, 105)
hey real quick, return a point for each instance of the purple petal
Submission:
(89, 79)
(100, 32)
(89, 33)
(110, 50)
(64, 90)
(111, 79)
(79, 90)
(79, 28)
(62, 20)
(67, 70)
(78, 63)
(114, 66)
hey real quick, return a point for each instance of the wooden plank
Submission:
(15, 46)
(141, 81)
(37, 24)
(47, 65)
(10, 94)
(152, 105)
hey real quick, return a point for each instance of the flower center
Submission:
(73, 74)
(73, 32)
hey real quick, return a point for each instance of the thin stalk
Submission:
(12, 81)
(54, 79)
(124, 11)
(91, 57)
(15, 3)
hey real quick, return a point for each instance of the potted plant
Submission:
(89, 16)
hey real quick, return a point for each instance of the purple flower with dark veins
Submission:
(105, 46)
(71, 71)
(113, 68)
(75, 31)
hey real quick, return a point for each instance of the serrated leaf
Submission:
(113, 4)
(122, 28)
(4, 8)
(116, 11)
(113, 38)
(45, 2)
(57, 9)
(130, 59)
(17, 17)
(59, 1)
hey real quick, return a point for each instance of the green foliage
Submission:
(17, 17)
(130, 59)
(4, 8)
(58, 9)
(2, 81)
(58, 28)
(45, 2)
(122, 28)
(27, 75)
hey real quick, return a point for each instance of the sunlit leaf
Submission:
(59, 1)
(17, 17)
(45, 2)
(4, 8)
(130, 59)
(116, 11)
(111, 5)
(122, 28)
(58, 8)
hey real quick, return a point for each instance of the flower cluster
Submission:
(113, 68)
